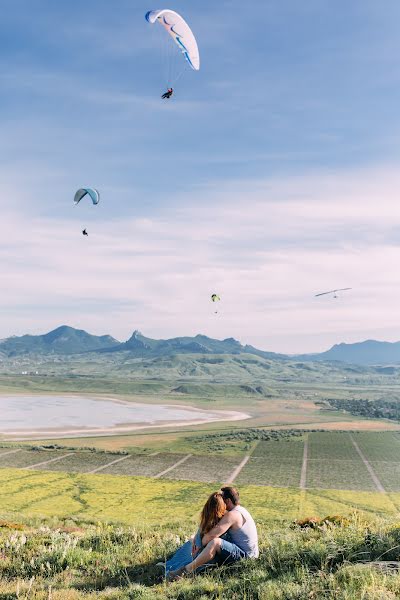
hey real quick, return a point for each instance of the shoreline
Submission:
(82, 431)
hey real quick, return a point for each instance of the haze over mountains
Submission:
(66, 341)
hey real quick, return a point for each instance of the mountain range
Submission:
(67, 340)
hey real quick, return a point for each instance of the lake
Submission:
(34, 413)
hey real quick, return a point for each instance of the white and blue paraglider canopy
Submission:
(91, 192)
(180, 32)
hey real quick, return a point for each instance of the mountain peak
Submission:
(62, 340)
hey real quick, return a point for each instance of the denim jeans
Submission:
(183, 556)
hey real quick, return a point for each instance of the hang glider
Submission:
(334, 292)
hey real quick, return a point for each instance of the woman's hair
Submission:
(212, 512)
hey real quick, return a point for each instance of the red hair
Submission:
(213, 510)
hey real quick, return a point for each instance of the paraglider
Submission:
(334, 292)
(215, 298)
(168, 93)
(91, 192)
(184, 39)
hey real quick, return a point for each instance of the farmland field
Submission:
(77, 463)
(376, 446)
(338, 474)
(287, 449)
(323, 446)
(146, 466)
(389, 474)
(317, 460)
(273, 472)
(206, 468)
(26, 458)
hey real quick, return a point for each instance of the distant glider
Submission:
(215, 298)
(334, 292)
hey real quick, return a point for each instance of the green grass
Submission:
(75, 560)
(138, 500)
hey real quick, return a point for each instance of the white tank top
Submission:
(246, 536)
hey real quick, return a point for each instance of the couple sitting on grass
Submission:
(227, 533)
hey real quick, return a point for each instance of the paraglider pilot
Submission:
(84, 232)
(168, 93)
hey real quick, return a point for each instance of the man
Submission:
(84, 232)
(168, 93)
(243, 538)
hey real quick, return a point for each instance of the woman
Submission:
(213, 510)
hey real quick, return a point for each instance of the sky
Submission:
(271, 175)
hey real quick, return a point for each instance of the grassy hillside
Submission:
(71, 559)
(138, 500)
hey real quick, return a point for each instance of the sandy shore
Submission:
(61, 432)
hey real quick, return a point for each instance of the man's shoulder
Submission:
(234, 514)
(245, 510)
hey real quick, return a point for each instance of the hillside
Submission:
(339, 559)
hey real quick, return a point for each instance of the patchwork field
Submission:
(318, 460)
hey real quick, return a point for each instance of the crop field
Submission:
(328, 446)
(317, 460)
(277, 473)
(338, 474)
(333, 462)
(287, 449)
(376, 446)
(145, 466)
(77, 463)
(26, 458)
(206, 468)
(389, 474)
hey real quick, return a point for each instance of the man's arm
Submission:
(225, 523)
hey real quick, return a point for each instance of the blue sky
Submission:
(271, 174)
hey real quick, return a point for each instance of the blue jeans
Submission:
(183, 556)
(230, 553)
